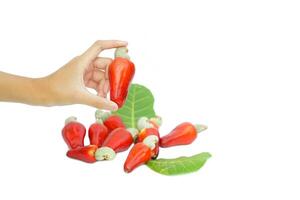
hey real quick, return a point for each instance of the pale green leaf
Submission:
(139, 103)
(180, 165)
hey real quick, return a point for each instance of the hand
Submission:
(68, 84)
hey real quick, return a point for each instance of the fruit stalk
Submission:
(145, 122)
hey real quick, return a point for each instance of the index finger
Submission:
(100, 45)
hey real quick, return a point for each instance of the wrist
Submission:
(43, 93)
(33, 91)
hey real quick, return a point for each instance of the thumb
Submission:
(98, 102)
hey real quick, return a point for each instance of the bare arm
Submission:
(23, 90)
(68, 84)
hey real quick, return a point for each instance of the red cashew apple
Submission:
(97, 133)
(85, 154)
(144, 134)
(140, 153)
(120, 73)
(118, 140)
(73, 133)
(185, 133)
(109, 120)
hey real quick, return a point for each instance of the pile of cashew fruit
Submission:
(109, 135)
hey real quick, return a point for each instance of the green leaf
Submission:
(139, 103)
(180, 165)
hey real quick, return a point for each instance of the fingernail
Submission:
(122, 42)
(115, 107)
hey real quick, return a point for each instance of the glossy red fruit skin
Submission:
(113, 122)
(138, 155)
(97, 134)
(85, 154)
(146, 132)
(119, 140)
(120, 72)
(155, 152)
(185, 133)
(73, 134)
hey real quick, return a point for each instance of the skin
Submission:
(68, 85)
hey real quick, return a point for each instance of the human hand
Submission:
(68, 84)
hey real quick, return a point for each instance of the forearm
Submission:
(23, 90)
(67, 85)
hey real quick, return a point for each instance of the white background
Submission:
(233, 65)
